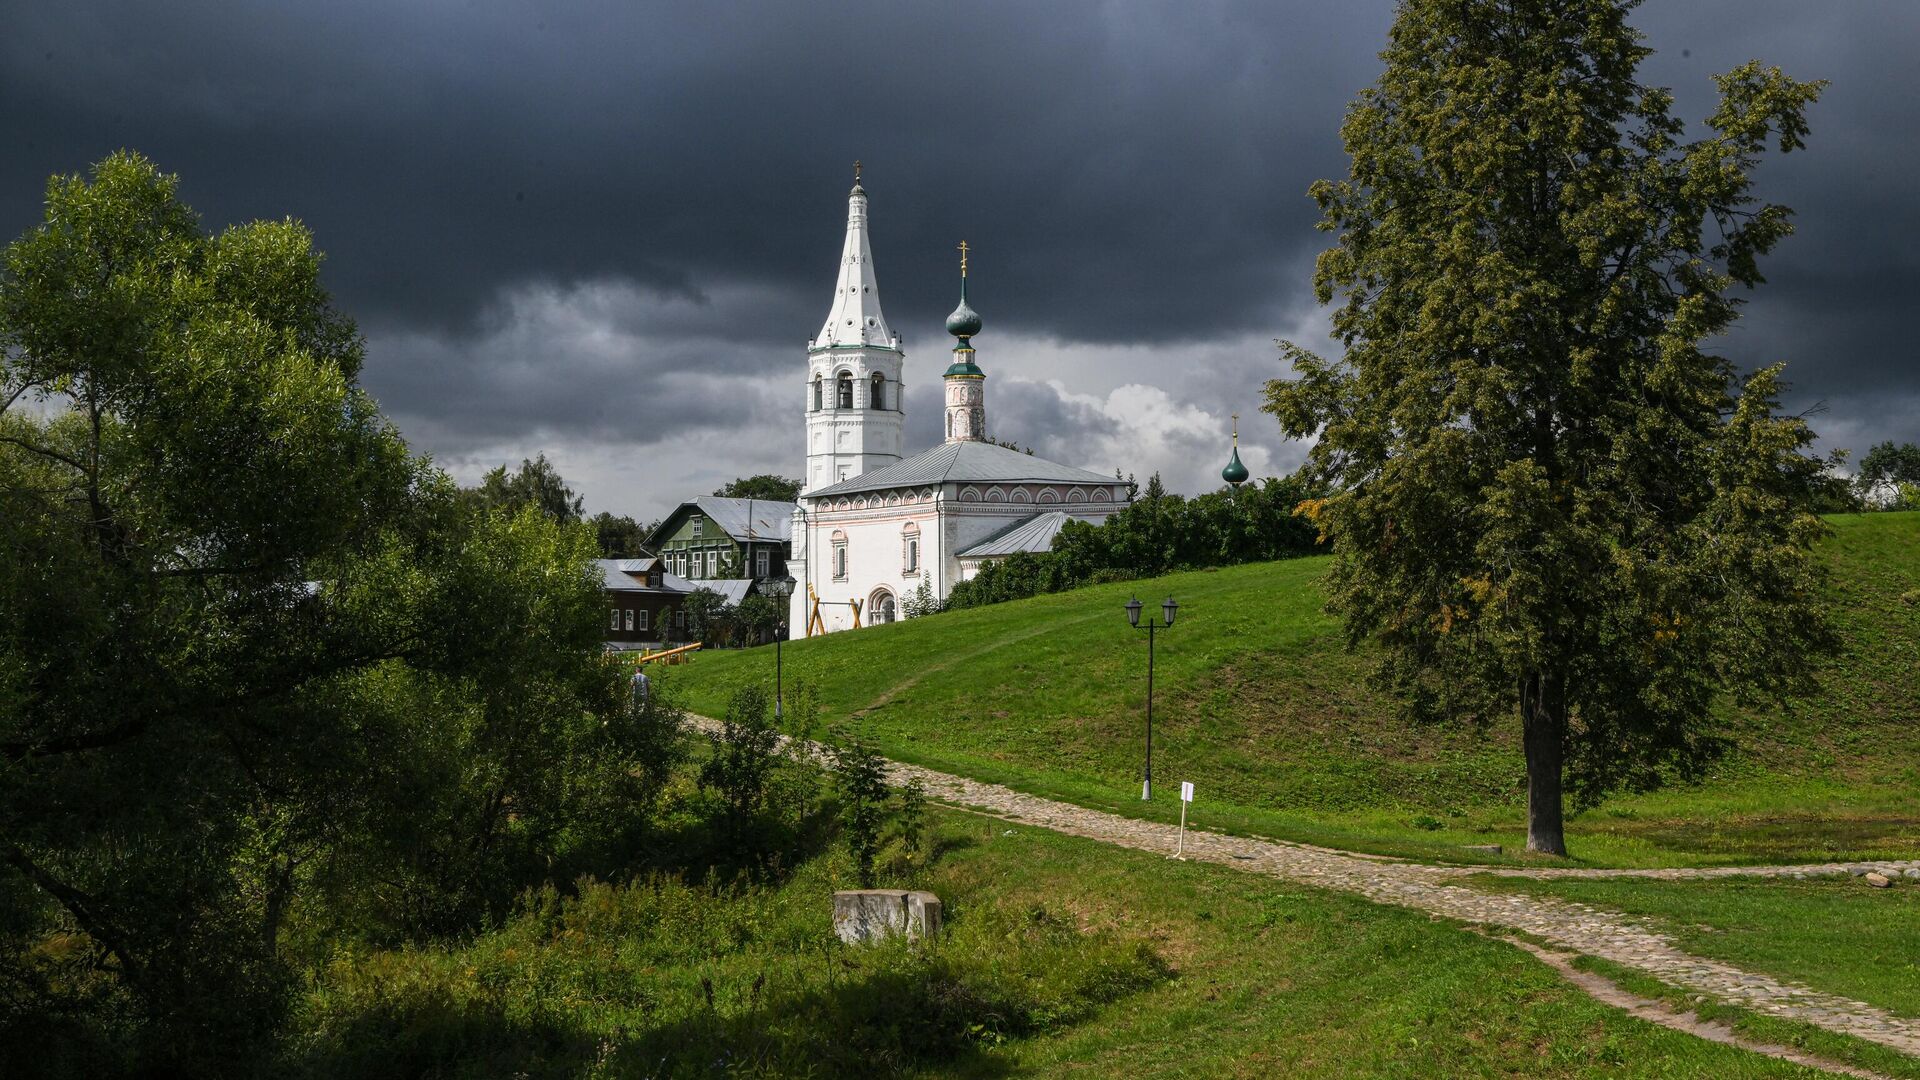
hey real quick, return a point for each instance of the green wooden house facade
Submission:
(712, 538)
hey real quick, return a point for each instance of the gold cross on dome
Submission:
(963, 258)
(856, 170)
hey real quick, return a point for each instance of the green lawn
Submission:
(1064, 958)
(1837, 935)
(1258, 704)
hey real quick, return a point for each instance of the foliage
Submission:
(620, 537)
(913, 815)
(266, 680)
(535, 484)
(766, 486)
(1548, 495)
(860, 777)
(709, 616)
(922, 600)
(758, 616)
(1886, 468)
(1154, 534)
(740, 770)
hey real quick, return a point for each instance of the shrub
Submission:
(860, 775)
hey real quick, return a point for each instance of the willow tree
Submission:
(1551, 493)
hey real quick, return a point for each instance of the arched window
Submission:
(879, 399)
(817, 388)
(910, 549)
(846, 391)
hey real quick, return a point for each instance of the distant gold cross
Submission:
(856, 170)
(963, 258)
(1236, 429)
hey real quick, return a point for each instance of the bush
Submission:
(1153, 535)
(860, 774)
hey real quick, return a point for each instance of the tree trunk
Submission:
(1543, 730)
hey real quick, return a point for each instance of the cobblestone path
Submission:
(1563, 924)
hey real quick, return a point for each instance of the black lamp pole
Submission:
(1167, 611)
(781, 588)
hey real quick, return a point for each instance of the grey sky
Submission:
(605, 231)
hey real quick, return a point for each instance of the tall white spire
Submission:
(854, 392)
(855, 318)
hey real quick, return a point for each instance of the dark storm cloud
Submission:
(617, 222)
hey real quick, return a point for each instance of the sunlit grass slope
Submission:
(1258, 703)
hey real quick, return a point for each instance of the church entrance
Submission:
(881, 605)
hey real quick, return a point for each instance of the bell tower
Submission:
(966, 383)
(854, 392)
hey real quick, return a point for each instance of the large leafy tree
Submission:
(537, 484)
(1550, 495)
(258, 664)
(620, 536)
(768, 486)
(1888, 468)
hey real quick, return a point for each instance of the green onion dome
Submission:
(1235, 473)
(964, 322)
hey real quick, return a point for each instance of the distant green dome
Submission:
(964, 322)
(1235, 473)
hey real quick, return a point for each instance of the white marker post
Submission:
(1186, 796)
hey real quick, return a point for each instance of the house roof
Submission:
(964, 462)
(616, 575)
(742, 519)
(733, 590)
(1034, 533)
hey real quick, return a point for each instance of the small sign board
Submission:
(1186, 791)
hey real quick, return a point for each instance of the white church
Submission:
(872, 525)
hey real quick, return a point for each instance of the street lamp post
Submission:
(779, 588)
(1167, 611)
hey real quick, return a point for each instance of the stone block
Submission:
(923, 915)
(1878, 880)
(866, 915)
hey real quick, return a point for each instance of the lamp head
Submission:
(1167, 609)
(1133, 612)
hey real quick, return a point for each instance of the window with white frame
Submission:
(713, 563)
(763, 563)
(642, 615)
(699, 526)
(629, 618)
(839, 555)
(910, 549)
(614, 624)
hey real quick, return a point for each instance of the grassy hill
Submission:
(1258, 704)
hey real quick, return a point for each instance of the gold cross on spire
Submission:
(856, 170)
(963, 258)
(1236, 429)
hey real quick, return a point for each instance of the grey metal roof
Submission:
(749, 519)
(965, 462)
(733, 590)
(617, 575)
(1035, 533)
